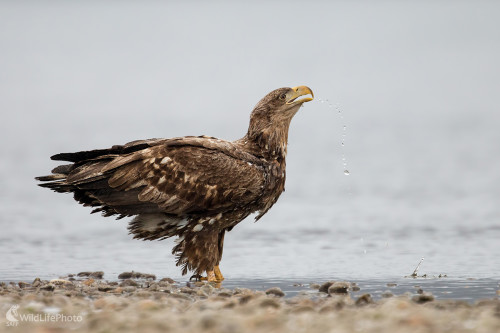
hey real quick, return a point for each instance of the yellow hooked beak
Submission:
(298, 92)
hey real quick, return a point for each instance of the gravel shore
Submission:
(85, 302)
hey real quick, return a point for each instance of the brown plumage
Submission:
(196, 188)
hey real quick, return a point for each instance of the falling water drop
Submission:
(337, 107)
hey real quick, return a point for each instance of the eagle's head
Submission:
(270, 119)
(282, 104)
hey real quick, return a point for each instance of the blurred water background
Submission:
(417, 85)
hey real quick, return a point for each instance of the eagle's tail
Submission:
(55, 181)
(88, 179)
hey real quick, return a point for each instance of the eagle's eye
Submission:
(283, 97)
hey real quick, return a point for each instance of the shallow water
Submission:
(422, 143)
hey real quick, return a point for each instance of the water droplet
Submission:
(346, 172)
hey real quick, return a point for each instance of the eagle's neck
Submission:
(269, 142)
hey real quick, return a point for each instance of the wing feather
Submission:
(187, 179)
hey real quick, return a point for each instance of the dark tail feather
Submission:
(50, 178)
(117, 149)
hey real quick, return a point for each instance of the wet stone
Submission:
(153, 286)
(48, 287)
(423, 298)
(275, 291)
(314, 286)
(36, 283)
(324, 287)
(23, 285)
(364, 299)
(118, 290)
(128, 282)
(225, 293)
(126, 275)
(105, 287)
(181, 296)
(95, 275)
(188, 290)
(59, 282)
(167, 280)
(338, 288)
(387, 294)
(206, 290)
(136, 275)
(129, 289)
(88, 282)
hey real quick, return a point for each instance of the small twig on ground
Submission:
(414, 274)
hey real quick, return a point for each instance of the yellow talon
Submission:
(218, 274)
(212, 276)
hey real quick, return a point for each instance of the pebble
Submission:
(136, 275)
(36, 283)
(364, 300)
(423, 298)
(129, 289)
(324, 287)
(206, 290)
(95, 275)
(128, 282)
(338, 288)
(59, 281)
(105, 287)
(48, 287)
(275, 291)
(88, 282)
(118, 290)
(153, 286)
(166, 281)
(23, 285)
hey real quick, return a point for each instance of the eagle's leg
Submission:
(218, 277)
(217, 271)
(199, 251)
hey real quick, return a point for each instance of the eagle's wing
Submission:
(179, 176)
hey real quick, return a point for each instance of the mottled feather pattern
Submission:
(195, 188)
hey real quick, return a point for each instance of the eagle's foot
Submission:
(218, 274)
(214, 275)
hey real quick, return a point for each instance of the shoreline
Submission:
(140, 302)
